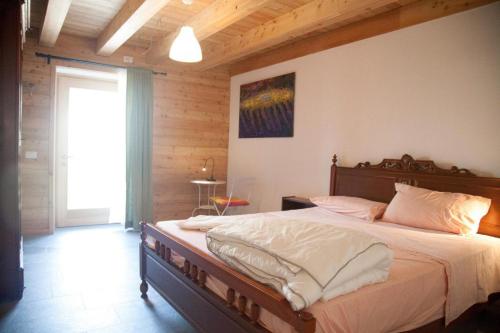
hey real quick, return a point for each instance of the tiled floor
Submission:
(86, 279)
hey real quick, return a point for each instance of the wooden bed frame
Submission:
(185, 288)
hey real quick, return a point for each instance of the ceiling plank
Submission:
(399, 18)
(305, 19)
(55, 14)
(131, 17)
(216, 17)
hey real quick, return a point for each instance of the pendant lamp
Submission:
(186, 47)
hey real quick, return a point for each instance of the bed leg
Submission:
(144, 286)
(144, 289)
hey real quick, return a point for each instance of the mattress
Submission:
(413, 295)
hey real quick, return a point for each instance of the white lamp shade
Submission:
(185, 47)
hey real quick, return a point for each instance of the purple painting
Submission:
(266, 108)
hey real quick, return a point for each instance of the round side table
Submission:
(211, 186)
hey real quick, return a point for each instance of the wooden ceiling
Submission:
(87, 18)
(229, 30)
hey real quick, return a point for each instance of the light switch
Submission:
(31, 155)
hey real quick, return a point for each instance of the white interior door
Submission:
(90, 152)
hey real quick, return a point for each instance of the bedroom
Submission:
(372, 80)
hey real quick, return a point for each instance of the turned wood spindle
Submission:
(254, 313)
(162, 251)
(168, 254)
(230, 297)
(187, 265)
(202, 279)
(194, 273)
(308, 321)
(143, 232)
(305, 315)
(157, 247)
(242, 305)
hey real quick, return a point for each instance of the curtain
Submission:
(139, 201)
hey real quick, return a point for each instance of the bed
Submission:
(216, 298)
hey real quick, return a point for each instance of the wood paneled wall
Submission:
(191, 122)
(35, 134)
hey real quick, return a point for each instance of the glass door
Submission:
(90, 152)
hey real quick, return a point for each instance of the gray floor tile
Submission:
(74, 287)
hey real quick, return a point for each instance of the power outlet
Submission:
(31, 155)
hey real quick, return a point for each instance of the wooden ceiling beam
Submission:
(216, 17)
(300, 21)
(55, 14)
(131, 17)
(412, 14)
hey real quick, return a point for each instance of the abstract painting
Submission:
(266, 108)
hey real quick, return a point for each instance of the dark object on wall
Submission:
(11, 272)
(266, 107)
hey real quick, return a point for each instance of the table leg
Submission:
(199, 199)
(213, 191)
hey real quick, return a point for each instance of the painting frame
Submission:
(267, 107)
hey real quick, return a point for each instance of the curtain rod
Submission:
(50, 57)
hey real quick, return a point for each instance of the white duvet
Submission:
(303, 260)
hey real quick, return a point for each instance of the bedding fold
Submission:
(303, 260)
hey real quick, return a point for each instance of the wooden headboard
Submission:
(376, 182)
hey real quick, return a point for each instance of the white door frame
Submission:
(56, 68)
(63, 77)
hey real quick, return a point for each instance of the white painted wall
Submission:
(432, 90)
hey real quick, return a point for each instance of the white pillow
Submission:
(352, 206)
(450, 212)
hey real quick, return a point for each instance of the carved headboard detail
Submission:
(376, 182)
(408, 163)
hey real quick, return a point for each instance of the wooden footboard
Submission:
(185, 289)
